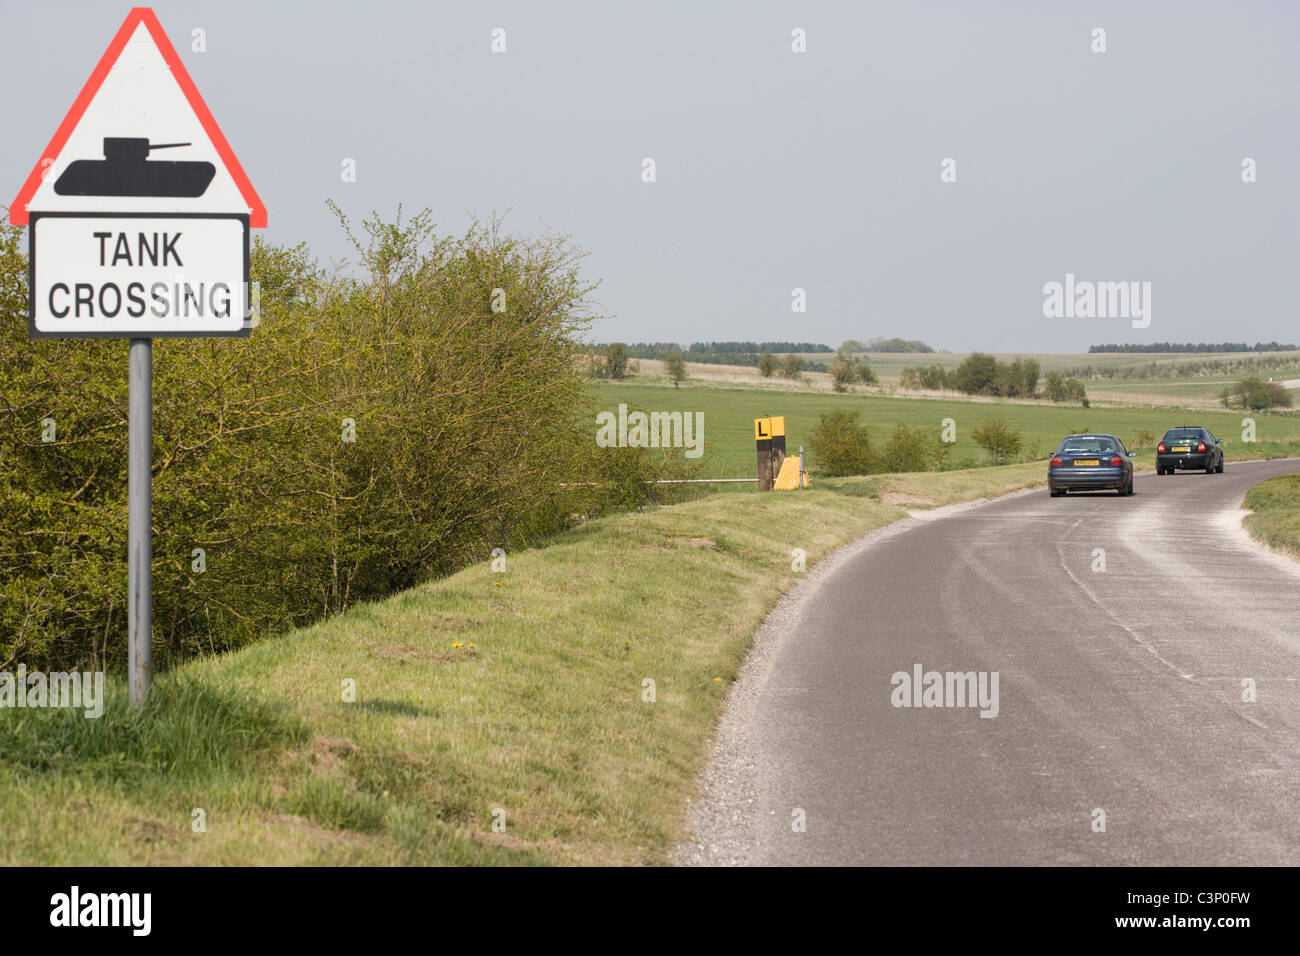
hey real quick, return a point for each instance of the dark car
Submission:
(1189, 447)
(1090, 463)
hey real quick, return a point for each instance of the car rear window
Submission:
(1087, 445)
(1183, 434)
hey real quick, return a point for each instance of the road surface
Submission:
(1119, 690)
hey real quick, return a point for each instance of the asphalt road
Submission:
(1118, 690)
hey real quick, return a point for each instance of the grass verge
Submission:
(1276, 518)
(520, 697)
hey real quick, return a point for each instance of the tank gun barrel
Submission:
(126, 170)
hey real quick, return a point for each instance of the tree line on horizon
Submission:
(748, 353)
(1143, 347)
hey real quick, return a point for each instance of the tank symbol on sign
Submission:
(126, 170)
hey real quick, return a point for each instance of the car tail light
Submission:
(1161, 448)
(1200, 446)
(1055, 462)
(1117, 460)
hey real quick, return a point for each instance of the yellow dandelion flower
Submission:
(458, 644)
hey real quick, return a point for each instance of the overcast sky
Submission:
(775, 169)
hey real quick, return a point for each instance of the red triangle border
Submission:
(138, 15)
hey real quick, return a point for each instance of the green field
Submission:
(1191, 389)
(1206, 389)
(729, 415)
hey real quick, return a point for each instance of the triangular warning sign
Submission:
(139, 138)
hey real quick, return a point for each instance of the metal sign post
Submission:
(139, 539)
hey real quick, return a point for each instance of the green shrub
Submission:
(998, 440)
(1018, 379)
(841, 445)
(976, 375)
(912, 448)
(1255, 394)
(471, 433)
(1054, 389)
(926, 376)
(616, 360)
(842, 374)
(791, 367)
(675, 366)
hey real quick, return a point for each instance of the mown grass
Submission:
(931, 490)
(729, 415)
(520, 693)
(1276, 518)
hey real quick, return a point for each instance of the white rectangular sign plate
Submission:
(141, 275)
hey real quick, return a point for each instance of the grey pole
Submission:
(139, 543)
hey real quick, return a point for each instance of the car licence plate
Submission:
(1087, 461)
(1181, 448)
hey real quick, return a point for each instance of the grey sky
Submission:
(775, 170)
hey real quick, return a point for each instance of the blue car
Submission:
(1090, 463)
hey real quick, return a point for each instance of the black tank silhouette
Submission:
(126, 171)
